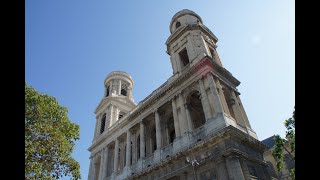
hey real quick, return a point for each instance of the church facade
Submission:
(193, 126)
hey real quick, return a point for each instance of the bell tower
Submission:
(190, 41)
(116, 103)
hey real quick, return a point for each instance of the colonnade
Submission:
(126, 150)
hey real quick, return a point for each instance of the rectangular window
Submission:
(184, 57)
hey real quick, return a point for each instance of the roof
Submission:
(269, 142)
(184, 12)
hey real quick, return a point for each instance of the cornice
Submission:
(111, 99)
(177, 34)
(166, 87)
(118, 73)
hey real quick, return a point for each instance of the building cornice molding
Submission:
(124, 100)
(118, 73)
(179, 33)
(219, 72)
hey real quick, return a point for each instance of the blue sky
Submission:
(71, 46)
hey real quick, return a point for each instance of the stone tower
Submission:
(193, 126)
(116, 103)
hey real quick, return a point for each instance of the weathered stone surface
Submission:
(189, 126)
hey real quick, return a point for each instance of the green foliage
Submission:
(49, 138)
(281, 145)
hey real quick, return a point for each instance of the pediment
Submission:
(115, 100)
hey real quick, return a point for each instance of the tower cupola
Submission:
(190, 41)
(118, 83)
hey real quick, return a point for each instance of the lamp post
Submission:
(193, 163)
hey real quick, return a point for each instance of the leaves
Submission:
(49, 138)
(281, 147)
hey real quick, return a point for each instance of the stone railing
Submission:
(148, 161)
(166, 151)
(199, 134)
(134, 167)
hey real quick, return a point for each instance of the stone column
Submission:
(111, 114)
(117, 110)
(106, 125)
(183, 117)
(130, 92)
(222, 98)
(245, 169)
(214, 95)
(189, 121)
(173, 63)
(222, 170)
(90, 174)
(101, 164)
(119, 87)
(237, 110)
(96, 128)
(142, 140)
(204, 100)
(94, 168)
(175, 118)
(158, 129)
(111, 86)
(105, 162)
(177, 59)
(128, 153)
(234, 168)
(244, 114)
(116, 157)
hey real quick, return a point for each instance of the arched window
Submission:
(103, 122)
(108, 91)
(172, 136)
(171, 130)
(124, 89)
(178, 24)
(154, 140)
(196, 110)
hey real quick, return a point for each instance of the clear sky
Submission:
(71, 46)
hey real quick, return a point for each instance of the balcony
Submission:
(148, 161)
(198, 134)
(166, 151)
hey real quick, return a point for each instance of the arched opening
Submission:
(154, 140)
(107, 91)
(103, 122)
(171, 130)
(178, 24)
(184, 58)
(172, 136)
(196, 109)
(124, 89)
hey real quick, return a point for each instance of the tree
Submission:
(49, 138)
(285, 145)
